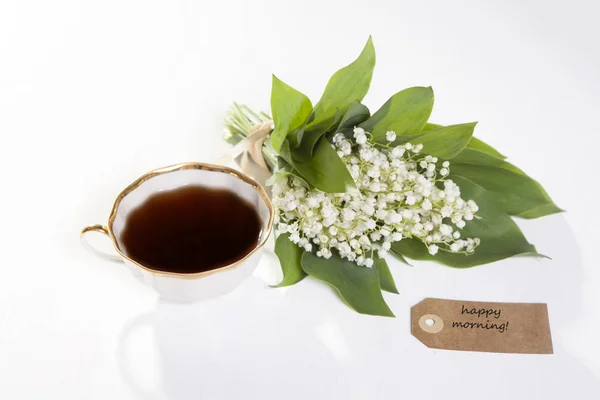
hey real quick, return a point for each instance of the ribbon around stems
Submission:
(250, 149)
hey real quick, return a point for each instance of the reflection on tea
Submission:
(191, 229)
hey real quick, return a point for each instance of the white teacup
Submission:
(188, 286)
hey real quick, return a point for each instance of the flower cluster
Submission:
(400, 195)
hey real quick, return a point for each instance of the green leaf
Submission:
(285, 152)
(386, 280)
(429, 127)
(446, 142)
(399, 257)
(295, 136)
(478, 144)
(346, 86)
(358, 286)
(310, 139)
(500, 236)
(356, 115)
(290, 110)
(472, 156)
(284, 173)
(476, 157)
(325, 170)
(516, 193)
(541, 211)
(474, 143)
(478, 153)
(290, 256)
(405, 113)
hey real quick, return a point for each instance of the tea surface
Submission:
(191, 229)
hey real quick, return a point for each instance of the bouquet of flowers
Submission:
(351, 187)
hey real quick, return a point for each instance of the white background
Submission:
(93, 94)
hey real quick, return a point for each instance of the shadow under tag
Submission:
(483, 327)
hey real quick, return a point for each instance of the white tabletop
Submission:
(93, 94)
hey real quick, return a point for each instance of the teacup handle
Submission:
(101, 229)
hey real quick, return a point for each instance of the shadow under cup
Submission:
(201, 285)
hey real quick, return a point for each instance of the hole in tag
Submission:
(431, 323)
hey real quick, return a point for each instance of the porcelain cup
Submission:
(188, 287)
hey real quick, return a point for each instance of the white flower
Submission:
(348, 214)
(328, 212)
(426, 204)
(293, 228)
(312, 202)
(381, 213)
(337, 137)
(472, 206)
(446, 211)
(396, 237)
(373, 172)
(390, 136)
(445, 230)
(375, 236)
(368, 209)
(375, 186)
(398, 196)
(395, 217)
(365, 154)
(360, 136)
(318, 227)
(397, 152)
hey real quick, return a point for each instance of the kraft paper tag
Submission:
(478, 326)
